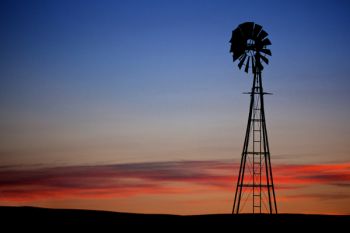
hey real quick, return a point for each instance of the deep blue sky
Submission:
(113, 76)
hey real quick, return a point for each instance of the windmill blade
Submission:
(253, 65)
(247, 29)
(236, 37)
(256, 31)
(242, 59)
(232, 36)
(240, 49)
(237, 51)
(237, 44)
(259, 66)
(257, 58)
(237, 55)
(262, 35)
(266, 51)
(265, 59)
(266, 42)
(247, 65)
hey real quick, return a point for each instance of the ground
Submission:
(30, 218)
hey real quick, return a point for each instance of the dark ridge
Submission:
(32, 218)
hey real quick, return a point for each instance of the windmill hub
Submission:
(250, 43)
(250, 50)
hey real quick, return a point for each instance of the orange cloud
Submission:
(122, 180)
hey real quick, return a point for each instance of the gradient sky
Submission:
(136, 105)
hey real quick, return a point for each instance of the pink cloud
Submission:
(120, 180)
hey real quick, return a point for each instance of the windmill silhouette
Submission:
(255, 182)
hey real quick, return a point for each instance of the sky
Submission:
(136, 106)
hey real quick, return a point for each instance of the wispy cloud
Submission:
(105, 181)
(320, 196)
(333, 174)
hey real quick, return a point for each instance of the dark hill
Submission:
(31, 218)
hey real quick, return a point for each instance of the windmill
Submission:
(255, 188)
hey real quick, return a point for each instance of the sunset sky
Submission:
(136, 106)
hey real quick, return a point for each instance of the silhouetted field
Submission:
(30, 218)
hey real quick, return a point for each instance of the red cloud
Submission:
(106, 181)
(334, 174)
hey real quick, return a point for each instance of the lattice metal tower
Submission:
(255, 188)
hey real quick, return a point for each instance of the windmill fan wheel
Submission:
(249, 45)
